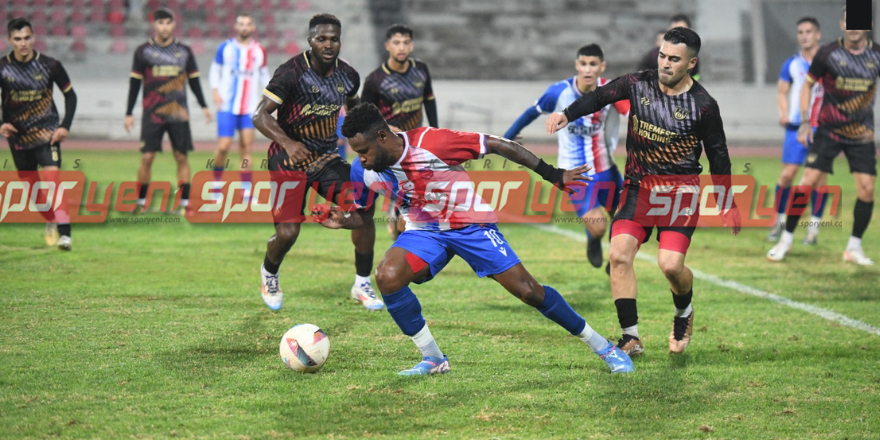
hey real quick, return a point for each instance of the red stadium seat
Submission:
(267, 7)
(246, 5)
(38, 4)
(272, 46)
(79, 32)
(58, 16)
(59, 30)
(40, 45)
(194, 32)
(58, 3)
(229, 6)
(152, 5)
(284, 5)
(38, 16)
(20, 3)
(3, 45)
(117, 30)
(116, 17)
(96, 4)
(191, 5)
(79, 46)
(212, 20)
(97, 16)
(39, 29)
(77, 4)
(198, 47)
(119, 46)
(78, 16)
(292, 48)
(210, 6)
(269, 20)
(303, 5)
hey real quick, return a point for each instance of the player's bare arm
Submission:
(268, 125)
(331, 217)
(7, 130)
(782, 89)
(805, 131)
(515, 152)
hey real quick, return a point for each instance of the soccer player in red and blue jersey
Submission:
(422, 168)
(30, 119)
(588, 141)
(308, 92)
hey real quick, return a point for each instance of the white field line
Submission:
(741, 288)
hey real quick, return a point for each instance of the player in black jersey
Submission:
(671, 115)
(30, 119)
(164, 65)
(399, 88)
(308, 92)
(848, 69)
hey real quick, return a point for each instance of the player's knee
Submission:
(619, 258)
(287, 233)
(390, 278)
(670, 267)
(531, 293)
(787, 177)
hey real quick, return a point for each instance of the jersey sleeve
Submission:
(192, 70)
(364, 196)
(60, 78)
(714, 140)
(371, 90)
(547, 102)
(281, 84)
(785, 73)
(454, 147)
(138, 65)
(622, 107)
(356, 80)
(429, 87)
(818, 67)
(616, 90)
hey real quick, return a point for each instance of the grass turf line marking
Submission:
(742, 288)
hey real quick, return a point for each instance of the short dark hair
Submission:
(163, 12)
(680, 17)
(324, 19)
(401, 29)
(364, 119)
(17, 24)
(591, 50)
(681, 35)
(809, 20)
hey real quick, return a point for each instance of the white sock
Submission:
(142, 202)
(813, 227)
(787, 238)
(780, 219)
(596, 342)
(632, 331)
(854, 244)
(684, 312)
(359, 280)
(426, 344)
(184, 203)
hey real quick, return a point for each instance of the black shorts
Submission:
(43, 156)
(178, 132)
(862, 158)
(329, 171)
(675, 238)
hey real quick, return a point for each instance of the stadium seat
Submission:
(117, 30)
(77, 4)
(38, 16)
(79, 46)
(119, 46)
(266, 7)
(303, 5)
(214, 32)
(58, 16)
(194, 32)
(40, 45)
(191, 5)
(38, 4)
(58, 3)
(20, 3)
(79, 32)
(272, 46)
(78, 16)
(292, 48)
(284, 5)
(97, 16)
(59, 30)
(210, 6)
(3, 45)
(198, 47)
(212, 20)
(96, 4)
(153, 4)
(39, 29)
(116, 17)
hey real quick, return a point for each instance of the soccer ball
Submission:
(304, 348)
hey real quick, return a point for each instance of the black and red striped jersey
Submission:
(666, 134)
(27, 98)
(399, 96)
(847, 112)
(309, 102)
(165, 71)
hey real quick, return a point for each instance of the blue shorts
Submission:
(585, 198)
(228, 123)
(793, 152)
(481, 246)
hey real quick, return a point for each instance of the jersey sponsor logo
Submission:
(645, 101)
(38, 76)
(243, 72)
(680, 113)
(853, 84)
(26, 95)
(315, 89)
(870, 64)
(418, 84)
(319, 109)
(166, 71)
(652, 132)
(177, 54)
(340, 87)
(584, 130)
(394, 90)
(842, 63)
(10, 79)
(408, 106)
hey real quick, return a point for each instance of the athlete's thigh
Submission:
(425, 253)
(793, 152)
(862, 158)
(181, 137)
(25, 160)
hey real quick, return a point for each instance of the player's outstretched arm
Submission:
(515, 152)
(268, 125)
(331, 217)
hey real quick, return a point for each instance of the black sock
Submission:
(270, 266)
(682, 301)
(64, 229)
(627, 312)
(142, 191)
(862, 214)
(796, 210)
(184, 191)
(363, 264)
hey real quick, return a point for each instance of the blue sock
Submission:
(820, 209)
(406, 310)
(218, 171)
(782, 199)
(556, 309)
(246, 176)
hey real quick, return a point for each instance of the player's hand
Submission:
(557, 121)
(328, 216)
(7, 130)
(805, 134)
(59, 135)
(783, 120)
(576, 177)
(208, 116)
(733, 219)
(129, 123)
(218, 100)
(296, 151)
